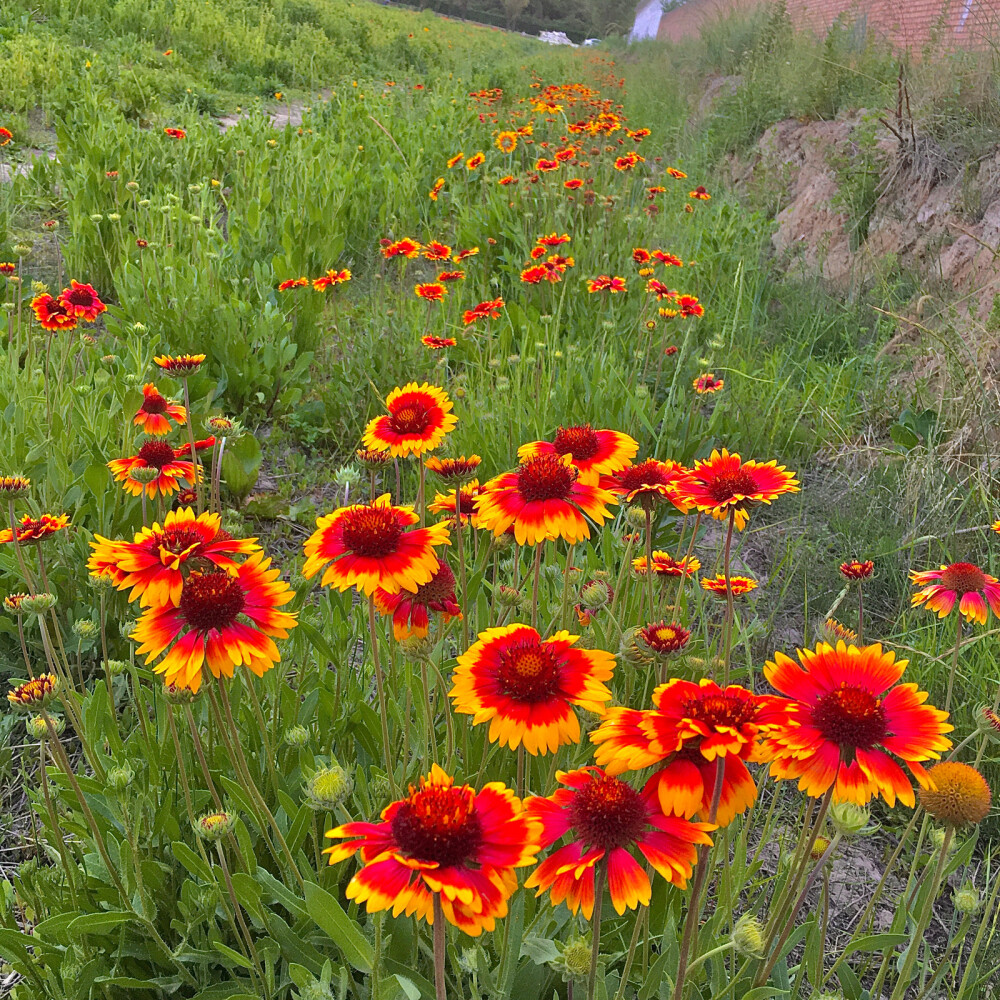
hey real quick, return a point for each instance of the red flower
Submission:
(699, 194)
(156, 412)
(490, 309)
(437, 343)
(52, 314)
(293, 283)
(411, 612)
(402, 248)
(573, 184)
(855, 569)
(667, 259)
(81, 302)
(175, 133)
(437, 251)
(430, 291)
(5, 135)
(592, 452)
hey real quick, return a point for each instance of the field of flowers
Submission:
(414, 586)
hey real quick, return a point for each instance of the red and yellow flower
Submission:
(606, 820)
(506, 141)
(431, 291)
(543, 499)
(664, 564)
(707, 383)
(454, 470)
(156, 412)
(172, 469)
(179, 365)
(699, 194)
(5, 135)
(475, 161)
(488, 309)
(289, 283)
(647, 483)
(419, 417)
(724, 485)
(526, 687)
(52, 314)
(468, 500)
(592, 452)
(436, 250)
(411, 612)
(692, 728)
(676, 174)
(857, 569)
(963, 582)
(223, 618)
(82, 302)
(740, 585)
(154, 563)
(402, 248)
(847, 713)
(331, 279)
(606, 283)
(369, 547)
(442, 839)
(175, 133)
(34, 529)
(437, 343)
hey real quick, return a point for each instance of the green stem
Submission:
(383, 711)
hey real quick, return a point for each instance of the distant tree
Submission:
(611, 17)
(512, 10)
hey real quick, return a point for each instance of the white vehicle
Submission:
(591, 41)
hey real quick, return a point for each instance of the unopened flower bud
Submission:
(38, 604)
(574, 959)
(748, 936)
(967, 899)
(144, 474)
(37, 729)
(417, 648)
(214, 826)
(14, 487)
(177, 694)
(849, 819)
(595, 594)
(328, 787)
(296, 736)
(636, 517)
(508, 597)
(119, 778)
(84, 628)
(116, 667)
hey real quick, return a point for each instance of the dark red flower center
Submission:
(665, 637)
(174, 540)
(607, 813)
(850, 717)
(156, 454)
(82, 297)
(371, 531)
(211, 600)
(545, 478)
(717, 710)
(411, 416)
(440, 587)
(726, 486)
(648, 473)
(580, 442)
(963, 578)
(438, 824)
(154, 403)
(528, 672)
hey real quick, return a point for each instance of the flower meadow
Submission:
(484, 712)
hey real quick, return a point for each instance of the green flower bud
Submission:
(177, 695)
(328, 787)
(38, 604)
(635, 517)
(967, 899)
(114, 217)
(116, 667)
(132, 186)
(119, 778)
(97, 217)
(127, 627)
(144, 474)
(84, 628)
(417, 648)
(748, 937)
(22, 249)
(573, 962)
(36, 728)
(849, 819)
(315, 990)
(214, 826)
(595, 594)
(296, 736)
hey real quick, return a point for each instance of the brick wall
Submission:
(909, 23)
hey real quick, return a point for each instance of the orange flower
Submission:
(573, 184)
(664, 564)
(7, 268)
(411, 612)
(158, 455)
(722, 485)
(437, 343)
(207, 624)
(543, 499)
(544, 166)
(667, 259)
(419, 417)
(740, 585)
(468, 497)
(153, 415)
(436, 189)
(82, 302)
(431, 291)
(369, 547)
(675, 173)
(181, 365)
(605, 283)
(699, 194)
(454, 470)
(402, 248)
(507, 179)
(474, 161)
(707, 383)
(847, 714)
(641, 256)
(506, 142)
(293, 283)
(962, 582)
(451, 276)
(646, 483)
(593, 453)
(175, 133)
(855, 569)
(606, 820)
(526, 686)
(553, 240)
(52, 314)
(5, 135)
(153, 565)
(450, 840)
(34, 529)
(36, 693)
(437, 251)
(534, 275)
(330, 279)
(691, 727)
(465, 254)
(457, 158)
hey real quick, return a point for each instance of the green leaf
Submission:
(512, 935)
(192, 861)
(334, 922)
(234, 956)
(99, 923)
(876, 942)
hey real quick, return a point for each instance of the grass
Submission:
(188, 241)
